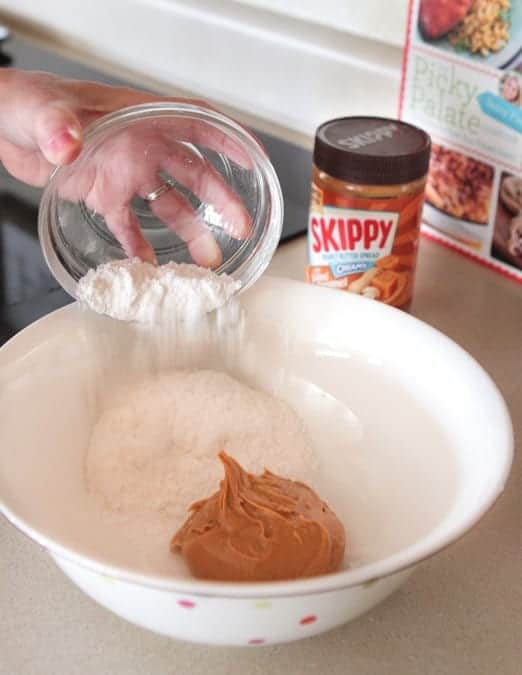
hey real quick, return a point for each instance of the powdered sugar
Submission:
(160, 425)
(154, 448)
(133, 290)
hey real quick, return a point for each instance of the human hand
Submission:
(42, 118)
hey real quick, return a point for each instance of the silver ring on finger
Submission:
(156, 194)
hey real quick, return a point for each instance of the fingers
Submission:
(104, 196)
(37, 115)
(200, 177)
(105, 98)
(202, 133)
(213, 139)
(124, 225)
(27, 166)
(58, 133)
(108, 188)
(176, 212)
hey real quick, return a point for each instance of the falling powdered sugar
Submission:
(133, 290)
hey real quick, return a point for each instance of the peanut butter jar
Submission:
(366, 203)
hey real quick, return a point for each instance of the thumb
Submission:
(58, 133)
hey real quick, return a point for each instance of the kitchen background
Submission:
(282, 66)
(339, 57)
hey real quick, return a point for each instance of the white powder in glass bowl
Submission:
(133, 290)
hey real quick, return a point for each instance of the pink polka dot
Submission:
(187, 604)
(256, 641)
(311, 618)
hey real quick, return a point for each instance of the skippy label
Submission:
(349, 241)
(365, 244)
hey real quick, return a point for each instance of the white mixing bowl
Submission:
(426, 449)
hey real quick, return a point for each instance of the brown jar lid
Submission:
(372, 150)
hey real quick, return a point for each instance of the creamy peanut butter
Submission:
(260, 528)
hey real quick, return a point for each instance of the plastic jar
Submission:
(367, 196)
(75, 237)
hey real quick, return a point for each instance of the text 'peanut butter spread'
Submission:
(260, 528)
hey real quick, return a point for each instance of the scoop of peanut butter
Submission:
(260, 528)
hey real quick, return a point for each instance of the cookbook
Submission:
(462, 83)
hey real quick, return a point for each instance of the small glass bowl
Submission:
(75, 237)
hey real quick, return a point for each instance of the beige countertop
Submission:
(461, 613)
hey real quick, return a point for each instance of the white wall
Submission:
(293, 64)
(382, 20)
